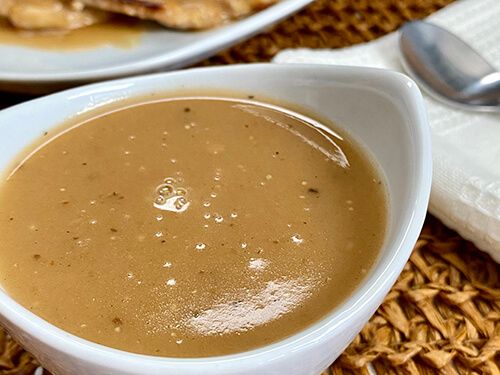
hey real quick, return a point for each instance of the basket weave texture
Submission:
(330, 24)
(442, 315)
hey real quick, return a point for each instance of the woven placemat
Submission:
(442, 314)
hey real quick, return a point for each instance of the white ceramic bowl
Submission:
(382, 110)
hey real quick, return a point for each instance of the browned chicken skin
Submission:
(59, 15)
(183, 14)
(63, 15)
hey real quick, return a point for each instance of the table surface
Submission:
(442, 314)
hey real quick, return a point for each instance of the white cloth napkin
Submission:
(466, 145)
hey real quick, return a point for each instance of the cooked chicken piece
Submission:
(49, 14)
(5, 5)
(183, 14)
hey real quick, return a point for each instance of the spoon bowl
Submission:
(448, 68)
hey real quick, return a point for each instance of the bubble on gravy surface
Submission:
(189, 227)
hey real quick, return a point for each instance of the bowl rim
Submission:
(364, 295)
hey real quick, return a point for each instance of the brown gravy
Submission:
(189, 227)
(121, 32)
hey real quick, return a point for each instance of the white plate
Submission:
(29, 69)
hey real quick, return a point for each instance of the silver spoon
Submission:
(448, 68)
